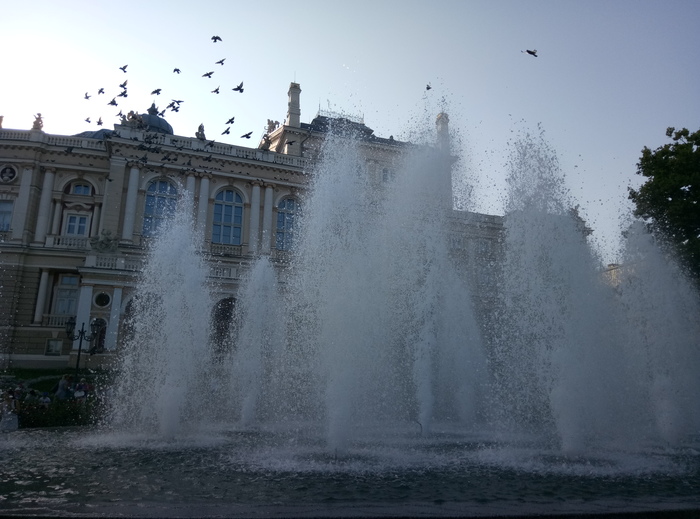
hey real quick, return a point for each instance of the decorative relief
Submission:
(105, 242)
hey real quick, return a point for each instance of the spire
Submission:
(294, 108)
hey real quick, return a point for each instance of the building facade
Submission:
(77, 214)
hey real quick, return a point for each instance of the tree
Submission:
(669, 201)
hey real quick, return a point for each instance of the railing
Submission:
(113, 262)
(226, 250)
(221, 272)
(67, 242)
(55, 320)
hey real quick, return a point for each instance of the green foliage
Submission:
(669, 201)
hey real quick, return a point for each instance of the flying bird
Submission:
(123, 85)
(101, 91)
(220, 62)
(246, 135)
(227, 131)
(289, 143)
(177, 101)
(176, 71)
(215, 91)
(120, 114)
(87, 96)
(532, 52)
(99, 122)
(123, 94)
(87, 120)
(208, 74)
(230, 121)
(215, 39)
(239, 88)
(113, 102)
(123, 69)
(428, 87)
(156, 92)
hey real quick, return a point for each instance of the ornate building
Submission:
(77, 213)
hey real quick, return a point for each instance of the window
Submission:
(5, 214)
(161, 202)
(286, 215)
(228, 218)
(66, 300)
(81, 189)
(54, 346)
(76, 225)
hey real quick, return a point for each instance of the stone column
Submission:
(95, 223)
(19, 215)
(56, 223)
(267, 219)
(41, 296)
(189, 188)
(113, 326)
(203, 208)
(84, 305)
(130, 206)
(44, 211)
(254, 237)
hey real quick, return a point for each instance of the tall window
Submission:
(287, 212)
(5, 214)
(76, 225)
(161, 202)
(228, 218)
(66, 299)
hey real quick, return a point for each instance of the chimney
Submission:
(294, 108)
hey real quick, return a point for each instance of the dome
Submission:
(152, 122)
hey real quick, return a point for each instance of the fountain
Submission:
(364, 383)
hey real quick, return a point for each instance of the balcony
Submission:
(54, 320)
(68, 242)
(221, 249)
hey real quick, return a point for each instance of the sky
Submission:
(609, 78)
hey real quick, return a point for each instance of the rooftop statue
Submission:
(38, 123)
(200, 133)
(1, 118)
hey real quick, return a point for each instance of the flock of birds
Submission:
(175, 104)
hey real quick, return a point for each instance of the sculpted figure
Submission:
(38, 123)
(200, 133)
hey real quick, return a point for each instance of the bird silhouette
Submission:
(156, 92)
(87, 96)
(215, 39)
(123, 94)
(120, 114)
(113, 102)
(532, 52)
(123, 69)
(227, 131)
(176, 71)
(220, 62)
(289, 143)
(230, 121)
(101, 91)
(215, 91)
(87, 120)
(239, 88)
(123, 85)
(176, 101)
(428, 87)
(208, 74)
(246, 135)
(99, 122)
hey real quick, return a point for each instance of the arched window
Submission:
(227, 227)
(287, 212)
(161, 202)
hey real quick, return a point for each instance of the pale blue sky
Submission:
(610, 76)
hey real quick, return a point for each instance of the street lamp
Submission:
(95, 327)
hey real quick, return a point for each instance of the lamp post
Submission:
(95, 327)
